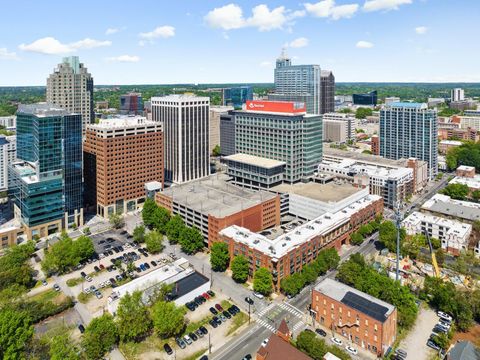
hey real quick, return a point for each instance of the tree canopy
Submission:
(388, 235)
(66, 253)
(148, 210)
(174, 229)
(153, 241)
(239, 268)
(456, 191)
(262, 281)
(191, 240)
(133, 317)
(139, 234)
(100, 336)
(219, 256)
(466, 154)
(15, 332)
(14, 266)
(363, 112)
(62, 348)
(316, 348)
(168, 319)
(160, 218)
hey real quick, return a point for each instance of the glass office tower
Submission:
(237, 96)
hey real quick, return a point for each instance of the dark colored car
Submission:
(218, 307)
(153, 262)
(142, 266)
(204, 357)
(110, 240)
(217, 320)
(211, 293)
(119, 277)
(83, 274)
(199, 333)
(247, 357)
(168, 349)
(321, 332)
(180, 343)
(96, 268)
(101, 267)
(213, 311)
(235, 308)
(227, 314)
(110, 252)
(81, 328)
(249, 300)
(146, 265)
(232, 311)
(198, 301)
(138, 270)
(120, 247)
(123, 232)
(101, 242)
(204, 330)
(116, 250)
(213, 323)
(193, 336)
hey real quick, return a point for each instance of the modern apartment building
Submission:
(363, 320)
(131, 103)
(410, 130)
(120, 156)
(212, 204)
(216, 113)
(338, 127)
(46, 182)
(468, 134)
(457, 94)
(237, 96)
(287, 253)
(8, 122)
(70, 87)
(299, 83)
(8, 152)
(281, 131)
(327, 92)
(185, 124)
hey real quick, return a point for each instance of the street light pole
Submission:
(209, 344)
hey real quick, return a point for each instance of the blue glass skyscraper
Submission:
(237, 96)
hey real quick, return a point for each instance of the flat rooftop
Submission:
(215, 196)
(328, 192)
(453, 227)
(43, 109)
(444, 204)
(471, 182)
(255, 160)
(329, 152)
(283, 244)
(354, 167)
(366, 304)
(122, 122)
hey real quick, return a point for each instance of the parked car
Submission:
(444, 316)
(56, 287)
(213, 311)
(351, 350)
(247, 357)
(146, 265)
(226, 314)
(217, 320)
(180, 343)
(168, 349)
(321, 332)
(199, 333)
(204, 330)
(86, 291)
(232, 311)
(223, 317)
(337, 341)
(193, 336)
(83, 274)
(187, 339)
(439, 329)
(213, 323)
(101, 267)
(153, 262)
(265, 342)
(235, 307)
(119, 277)
(211, 293)
(98, 294)
(258, 295)
(218, 307)
(204, 357)
(44, 282)
(444, 324)
(249, 300)
(206, 296)
(433, 345)
(88, 278)
(81, 328)
(401, 352)
(142, 267)
(96, 268)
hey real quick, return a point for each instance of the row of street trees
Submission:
(159, 219)
(357, 237)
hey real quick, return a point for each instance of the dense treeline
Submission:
(466, 154)
(360, 275)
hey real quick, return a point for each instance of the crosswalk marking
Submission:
(265, 310)
(297, 326)
(292, 310)
(266, 325)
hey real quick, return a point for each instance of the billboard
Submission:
(290, 107)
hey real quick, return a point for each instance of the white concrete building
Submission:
(9, 122)
(185, 121)
(457, 94)
(391, 99)
(473, 183)
(454, 235)
(338, 127)
(188, 284)
(8, 152)
(70, 86)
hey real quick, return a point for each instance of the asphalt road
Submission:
(250, 340)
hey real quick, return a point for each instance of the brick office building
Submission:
(288, 253)
(366, 321)
(212, 204)
(120, 156)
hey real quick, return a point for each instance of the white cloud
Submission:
(420, 30)
(124, 58)
(6, 55)
(364, 44)
(111, 31)
(52, 46)
(230, 17)
(164, 32)
(376, 5)
(298, 43)
(328, 9)
(265, 64)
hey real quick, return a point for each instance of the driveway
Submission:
(416, 341)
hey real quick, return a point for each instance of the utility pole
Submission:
(209, 344)
(248, 313)
(398, 221)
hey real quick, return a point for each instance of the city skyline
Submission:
(389, 40)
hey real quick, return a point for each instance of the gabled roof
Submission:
(464, 350)
(283, 328)
(279, 349)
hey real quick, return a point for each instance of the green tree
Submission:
(239, 268)
(160, 218)
(216, 150)
(363, 112)
(61, 348)
(191, 240)
(440, 256)
(116, 220)
(311, 345)
(356, 238)
(442, 340)
(139, 234)
(262, 281)
(15, 268)
(66, 253)
(83, 247)
(219, 256)
(168, 319)
(133, 318)
(154, 240)
(476, 195)
(100, 336)
(293, 284)
(456, 191)
(388, 235)
(412, 244)
(86, 230)
(15, 331)
(148, 212)
(174, 229)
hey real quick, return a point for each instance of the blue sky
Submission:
(196, 41)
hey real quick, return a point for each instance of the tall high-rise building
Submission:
(185, 122)
(131, 103)
(216, 113)
(299, 83)
(47, 176)
(8, 152)
(409, 130)
(227, 133)
(327, 91)
(237, 96)
(120, 156)
(70, 87)
(457, 94)
(281, 131)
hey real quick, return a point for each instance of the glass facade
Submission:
(237, 96)
(73, 167)
(365, 99)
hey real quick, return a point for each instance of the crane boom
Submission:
(434, 258)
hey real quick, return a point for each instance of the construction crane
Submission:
(434, 258)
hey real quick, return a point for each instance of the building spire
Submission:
(283, 59)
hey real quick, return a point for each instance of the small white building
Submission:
(454, 235)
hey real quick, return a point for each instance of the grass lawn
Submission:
(237, 321)
(84, 298)
(196, 324)
(45, 296)
(74, 281)
(195, 356)
(132, 351)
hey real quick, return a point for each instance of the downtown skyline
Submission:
(238, 42)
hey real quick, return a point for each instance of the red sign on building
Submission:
(291, 107)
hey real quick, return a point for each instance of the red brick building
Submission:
(288, 253)
(375, 144)
(459, 134)
(363, 320)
